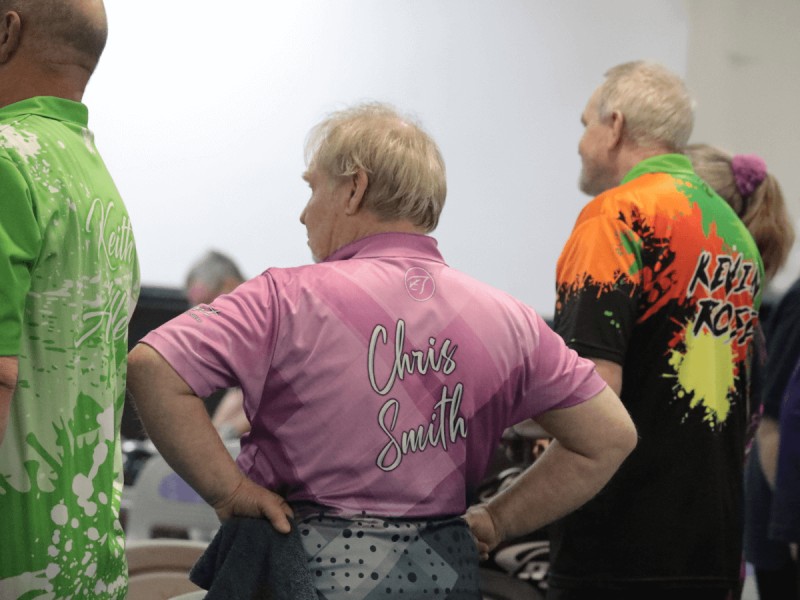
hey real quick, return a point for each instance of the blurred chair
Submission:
(161, 504)
(159, 569)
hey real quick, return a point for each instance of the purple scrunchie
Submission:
(749, 170)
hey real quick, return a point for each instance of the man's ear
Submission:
(10, 26)
(357, 191)
(617, 123)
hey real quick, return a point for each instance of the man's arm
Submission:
(591, 441)
(8, 383)
(178, 424)
(768, 439)
(611, 372)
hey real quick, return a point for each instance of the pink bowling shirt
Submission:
(378, 381)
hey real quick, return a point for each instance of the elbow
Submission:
(9, 371)
(8, 386)
(139, 370)
(138, 360)
(631, 439)
(626, 439)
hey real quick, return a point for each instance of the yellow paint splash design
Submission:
(706, 371)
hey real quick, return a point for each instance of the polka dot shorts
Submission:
(370, 558)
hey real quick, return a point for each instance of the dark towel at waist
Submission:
(249, 560)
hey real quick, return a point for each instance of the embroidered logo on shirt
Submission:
(203, 309)
(420, 284)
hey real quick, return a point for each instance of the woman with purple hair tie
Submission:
(744, 182)
(770, 504)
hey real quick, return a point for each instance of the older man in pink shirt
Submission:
(377, 381)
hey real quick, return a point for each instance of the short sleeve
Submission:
(20, 243)
(227, 343)
(598, 285)
(559, 378)
(553, 376)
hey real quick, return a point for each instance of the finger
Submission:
(278, 517)
(287, 510)
(473, 515)
(279, 522)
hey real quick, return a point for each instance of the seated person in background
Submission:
(378, 382)
(212, 275)
(744, 182)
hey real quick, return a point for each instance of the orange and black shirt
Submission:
(660, 276)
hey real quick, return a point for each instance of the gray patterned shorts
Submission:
(369, 558)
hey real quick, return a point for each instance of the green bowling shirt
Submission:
(69, 279)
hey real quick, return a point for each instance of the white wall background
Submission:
(201, 109)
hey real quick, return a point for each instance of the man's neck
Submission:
(632, 155)
(401, 226)
(66, 81)
(366, 224)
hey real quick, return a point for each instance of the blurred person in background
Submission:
(213, 275)
(744, 181)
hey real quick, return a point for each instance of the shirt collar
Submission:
(50, 107)
(403, 245)
(675, 164)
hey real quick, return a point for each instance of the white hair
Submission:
(655, 104)
(405, 170)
